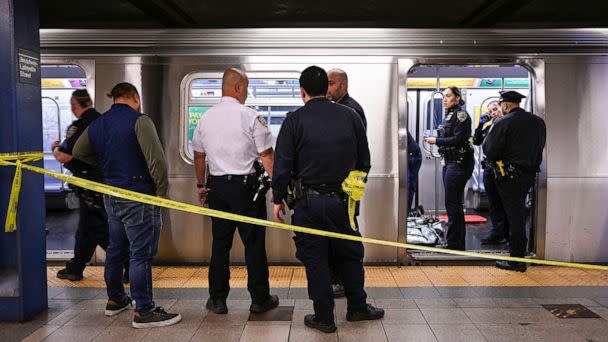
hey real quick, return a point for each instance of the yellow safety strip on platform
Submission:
(167, 203)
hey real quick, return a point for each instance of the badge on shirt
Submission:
(447, 118)
(262, 121)
(462, 115)
(71, 131)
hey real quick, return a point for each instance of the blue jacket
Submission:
(112, 137)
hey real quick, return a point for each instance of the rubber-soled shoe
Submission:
(311, 322)
(338, 290)
(270, 303)
(217, 305)
(493, 241)
(511, 266)
(66, 274)
(370, 313)
(155, 318)
(114, 307)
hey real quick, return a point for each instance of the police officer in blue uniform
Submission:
(500, 227)
(514, 148)
(320, 144)
(337, 91)
(457, 153)
(414, 161)
(93, 221)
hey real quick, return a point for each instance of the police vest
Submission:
(113, 140)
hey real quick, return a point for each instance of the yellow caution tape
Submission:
(13, 201)
(354, 187)
(170, 204)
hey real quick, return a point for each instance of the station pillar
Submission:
(23, 287)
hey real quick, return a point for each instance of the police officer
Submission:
(231, 186)
(414, 162)
(337, 91)
(514, 148)
(321, 143)
(500, 227)
(457, 153)
(93, 221)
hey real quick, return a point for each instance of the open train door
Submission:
(421, 82)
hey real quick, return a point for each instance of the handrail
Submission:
(61, 168)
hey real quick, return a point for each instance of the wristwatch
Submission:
(201, 185)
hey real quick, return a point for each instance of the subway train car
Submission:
(397, 75)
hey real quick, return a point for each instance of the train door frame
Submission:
(88, 66)
(536, 69)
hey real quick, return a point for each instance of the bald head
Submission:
(337, 85)
(234, 84)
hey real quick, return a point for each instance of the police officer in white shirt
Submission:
(232, 137)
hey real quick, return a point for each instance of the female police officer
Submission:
(454, 147)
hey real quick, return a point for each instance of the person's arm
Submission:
(462, 132)
(200, 168)
(59, 155)
(495, 141)
(83, 150)
(262, 139)
(363, 155)
(267, 158)
(283, 166)
(153, 153)
(478, 135)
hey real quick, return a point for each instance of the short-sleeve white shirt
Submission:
(232, 136)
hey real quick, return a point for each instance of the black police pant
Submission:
(317, 253)
(235, 197)
(455, 177)
(500, 225)
(92, 231)
(513, 194)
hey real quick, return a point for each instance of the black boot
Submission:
(370, 313)
(511, 266)
(270, 303)
(217, 306)
(311, 322)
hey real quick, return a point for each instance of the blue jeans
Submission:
(134, 232)
(413, 166)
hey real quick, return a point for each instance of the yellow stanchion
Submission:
(170, 204)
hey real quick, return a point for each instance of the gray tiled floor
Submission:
(412, 314)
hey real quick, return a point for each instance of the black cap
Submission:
(510, 96)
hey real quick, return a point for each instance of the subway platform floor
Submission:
(422, 303)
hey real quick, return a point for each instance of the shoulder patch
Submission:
(462, 115)
(71, 131)
(262, 121)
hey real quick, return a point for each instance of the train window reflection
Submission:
(272, 95)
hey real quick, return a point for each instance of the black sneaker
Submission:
(311, 322)
(270, 303)
(155, 318)
(66, 274)
(370, 313)
(338, 290)
(494, 241)
(114, 307)
(217, 305)
(511, 266)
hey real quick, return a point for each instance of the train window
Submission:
(273, 95)
(58, 82)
